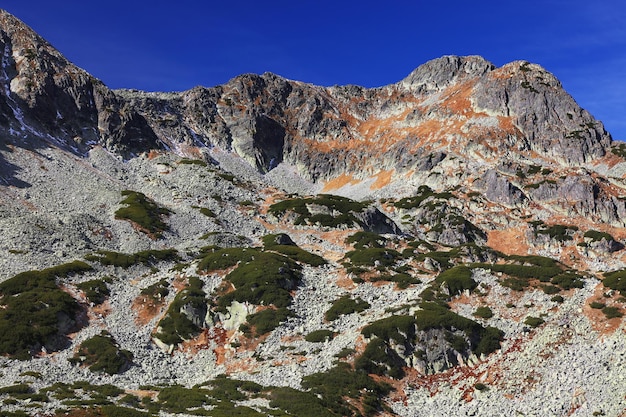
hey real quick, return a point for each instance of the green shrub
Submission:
(597, 236)
(557, 299)
(102, 354)
(568, 280)
(373, 256)
(125, 260)
(143, 212)
(361, 240)
(423, 192)
(457, 280)
(343, 210)
(615, 280)
(550, 289)
(207, 212)
(483, 312)
(283, 244)
(398, 328)
(157, 291)
(175, 326)
(267, 320)
(198, 162)
(319, 336)
(533, 321)
(345, 305)
(96, 290)
(16, 389)
(266, 279)
(597, 305)
(612, 312)
(32, 307)
(557, 232)
(178, 399)
(480, 386)
(340, 383)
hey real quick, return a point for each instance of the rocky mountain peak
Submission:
(439, 73)
(453, 242)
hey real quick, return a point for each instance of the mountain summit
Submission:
(451, 244)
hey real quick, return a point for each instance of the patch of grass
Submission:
(556, 232)
(483, 312)
(597, 236)
(615, 280)
(342, 382)
(176, 326)
(373, 257)
(334, 211)
(345, 305)
(457, 280)
(557, 299)
(34, 311)
(265, 279)
(533, 321)
(125, 260)
(423, 192)
(362, 240)
(96, 290)
(157, 291)
(568, 280)
(143, 212)
(612, 312)
(198, 162)
(319, 336)
(283, 244)
(402, 280)
(267, 320)
(102, 354)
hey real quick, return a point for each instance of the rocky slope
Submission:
(451, 244)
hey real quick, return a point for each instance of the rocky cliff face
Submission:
(453, 242)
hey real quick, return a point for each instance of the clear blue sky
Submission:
(175, 45)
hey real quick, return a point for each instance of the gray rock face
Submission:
(45, 96)
(547, 116)
(498, 189)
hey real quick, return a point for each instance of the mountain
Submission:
(451, 244)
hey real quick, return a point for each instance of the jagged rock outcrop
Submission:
(44, 96)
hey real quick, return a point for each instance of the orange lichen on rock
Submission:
(383, 178)
(508, 241)
(340, 181)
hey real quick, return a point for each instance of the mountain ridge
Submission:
(449, 244)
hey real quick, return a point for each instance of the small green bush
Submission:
(483, 312)
(457, 279)
(597, 236)
(96, 290)
(345, 305)
(319, 336)
(361, 240)
(283, 244)
(568, 280)
(175, 326)
(102, 354)
(267, 320)
(533, 321)
(557, 299)
(143, 212)
(615, 280)
(373, 256)
(32, 306)
(125, 260)
(597, 305)
(612, 312)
